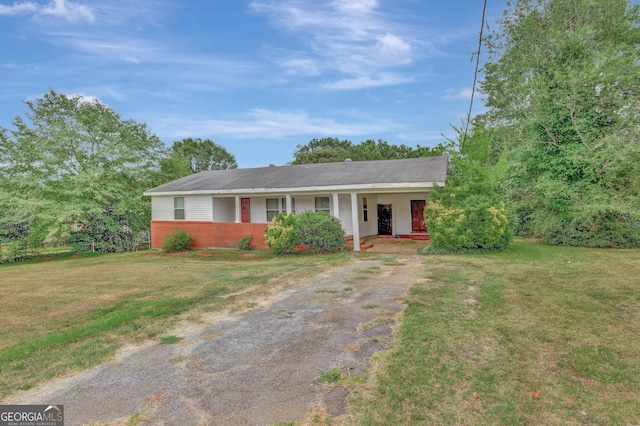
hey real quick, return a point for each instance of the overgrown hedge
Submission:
(460, 221)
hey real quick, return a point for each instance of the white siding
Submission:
(259, 208)
(370, 227)
(308, 202)
(198, 207)
(344, 201)
(224, 209)
(302, 203)
(162, 208)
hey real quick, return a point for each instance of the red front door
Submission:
(245, 210)
(417, 216)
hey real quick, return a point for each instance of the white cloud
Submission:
(72, 12)
(190, 69)
(107, 45)
(457, 94)
(433, 136)
(366, 81)
(304, 66)
(356, 6)
(85, 99)
(136, 14)
(17, 8)
(394, 48)
(352, 37)
(264, 123)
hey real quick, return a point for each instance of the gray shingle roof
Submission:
(371, 173)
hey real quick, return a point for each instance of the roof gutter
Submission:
(366, 188)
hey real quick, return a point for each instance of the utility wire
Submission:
(475, 78)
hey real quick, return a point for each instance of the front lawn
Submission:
(65, 315)
(536, 335)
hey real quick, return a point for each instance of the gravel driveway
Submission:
(255, 367)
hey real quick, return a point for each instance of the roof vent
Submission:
(272, 165)
(347, 160)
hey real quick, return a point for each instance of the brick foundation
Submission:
(210, 234)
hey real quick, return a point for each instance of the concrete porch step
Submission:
(363, 244)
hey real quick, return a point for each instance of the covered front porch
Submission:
(223, 220)
(362, 214)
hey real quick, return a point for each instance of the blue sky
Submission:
(256, 76)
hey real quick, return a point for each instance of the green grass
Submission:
(534, 335)
(137, 418)
(66, 315)
(341, 376)
(374, 270)
(478, 336)
(169, 340)
(332, 375)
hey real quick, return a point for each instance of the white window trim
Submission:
(177, 209)
(327, 209)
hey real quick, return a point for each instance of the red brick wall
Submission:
(210, 234)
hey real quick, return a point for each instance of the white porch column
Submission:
(336, 205)
(238, 215)
(355, 219)
(289, 207)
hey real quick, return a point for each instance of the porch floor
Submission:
(397, 246)
(412, 236)
(389, 244)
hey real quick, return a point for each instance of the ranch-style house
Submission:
(218, 207)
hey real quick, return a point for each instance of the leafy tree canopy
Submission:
(202, 155)
(468, 214)
(72, 160)
(329, 150)
(562, 83)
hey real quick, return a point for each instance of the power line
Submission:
(475, 77)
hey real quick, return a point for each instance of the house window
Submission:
(272, 208)
(293, 205)
(365, 211)
(178, 208)
(322, 204)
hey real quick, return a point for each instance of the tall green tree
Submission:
(325, 150)
(202, 155)
(563, 79)
(73, 163)
(328, 150)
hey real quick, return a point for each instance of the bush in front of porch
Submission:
(314, 231)
(281, 236)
